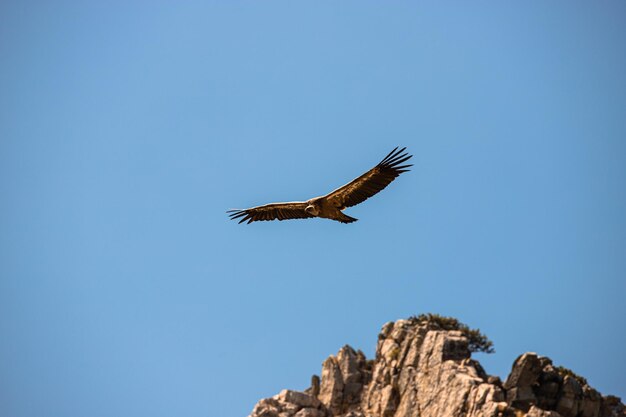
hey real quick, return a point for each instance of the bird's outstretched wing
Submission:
(373, 181)
(274, 211)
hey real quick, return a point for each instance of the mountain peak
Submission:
(423, 368)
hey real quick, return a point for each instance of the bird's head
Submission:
(312, 210)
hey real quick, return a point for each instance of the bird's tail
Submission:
(343, 218)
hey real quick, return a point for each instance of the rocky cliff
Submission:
(423, 368)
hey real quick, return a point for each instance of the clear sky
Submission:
(127, 129)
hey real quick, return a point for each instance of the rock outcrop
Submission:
(424, 369)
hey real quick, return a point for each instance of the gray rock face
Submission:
(422, 372)
(343, 378)
(535, 382)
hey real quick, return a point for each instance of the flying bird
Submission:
(331, 205)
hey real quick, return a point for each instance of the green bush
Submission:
(568, 372)
(478, 342)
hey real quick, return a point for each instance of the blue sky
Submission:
(128, 129)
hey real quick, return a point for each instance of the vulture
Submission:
(331, 205)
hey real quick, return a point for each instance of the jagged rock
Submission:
(310, 412)
(267, 407)
(425, 371)
(289, 404)
(538, 412)
(568, 403)
(612, 406)
(300, 399)
(331, 388)
(534, 381)
(314, 389)
(343, 377)
(449, 385)
(525, 372)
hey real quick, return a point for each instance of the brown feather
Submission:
(372, 182)
(274, 211)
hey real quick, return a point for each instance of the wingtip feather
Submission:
(388, 155)
(394, 156)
